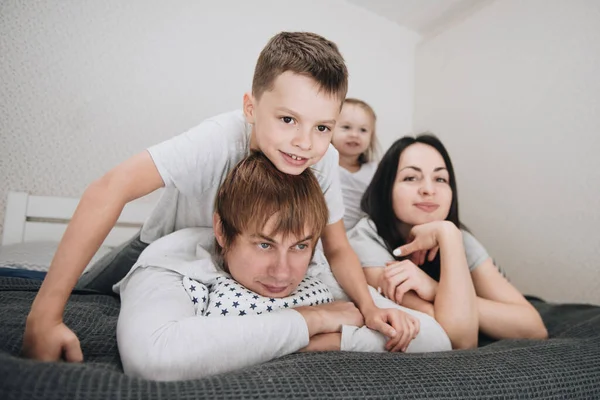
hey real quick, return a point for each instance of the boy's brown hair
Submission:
(303, 53)
(371, 153)
(255, 190)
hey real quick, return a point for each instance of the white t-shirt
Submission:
(354, 185)
(194, 164)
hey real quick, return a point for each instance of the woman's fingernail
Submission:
(397, 252)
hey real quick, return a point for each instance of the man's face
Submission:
(270, 265)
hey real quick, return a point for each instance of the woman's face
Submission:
(270, 265)
(421, 192)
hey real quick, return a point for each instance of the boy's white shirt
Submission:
(195, 163)
(353, 186)
(161, 337)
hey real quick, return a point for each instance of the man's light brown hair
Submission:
(372, 151)
(303, 53)
(255, 190)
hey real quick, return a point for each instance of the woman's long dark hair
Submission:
(377, 201)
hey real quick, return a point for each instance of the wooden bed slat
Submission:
(16, 207)
(45, 218)
(41, 231)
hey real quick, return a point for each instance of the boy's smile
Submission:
(292, 122)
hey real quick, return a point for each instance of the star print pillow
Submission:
(227, 297)
(198, 294)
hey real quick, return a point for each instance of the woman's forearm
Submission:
(509, 321)
(455, 302)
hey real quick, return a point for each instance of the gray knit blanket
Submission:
(565, 366)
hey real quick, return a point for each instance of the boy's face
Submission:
(293, 123)
(269, 265)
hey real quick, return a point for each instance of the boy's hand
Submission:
(378, 319)
(397, 325)
(50, 342)
(407, 327)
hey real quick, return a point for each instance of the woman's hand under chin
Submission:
(426, 237)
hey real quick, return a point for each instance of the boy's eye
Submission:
(345, 127)
(363, 130)
(323, 128)
(264, 246)
(301, 246)
(287, 120)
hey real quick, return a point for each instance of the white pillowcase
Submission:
(36, 256)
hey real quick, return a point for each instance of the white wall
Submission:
(86, 84)
(514, 92)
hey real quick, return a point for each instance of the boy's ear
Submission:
(218, 229)
(249, 107)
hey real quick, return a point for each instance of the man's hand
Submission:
(324, 342)
(329, 318)
(50, 341)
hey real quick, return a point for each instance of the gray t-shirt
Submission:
(354, 185)
(195, 163)
(372, 251)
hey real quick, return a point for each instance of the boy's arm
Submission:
(347, 270)
(46, 337)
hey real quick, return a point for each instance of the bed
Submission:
(34, 225)
(565, 366)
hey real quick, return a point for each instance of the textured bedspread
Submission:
(566, 366)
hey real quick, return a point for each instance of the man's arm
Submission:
(161, 338)
(46, 337)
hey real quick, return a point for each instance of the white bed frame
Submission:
(43, 218)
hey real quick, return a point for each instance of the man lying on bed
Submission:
(192, 307)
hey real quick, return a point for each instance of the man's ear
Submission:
(218, 230)
(249, 105)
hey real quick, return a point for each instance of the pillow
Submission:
(36, 256)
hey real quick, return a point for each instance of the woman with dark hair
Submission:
(415, 250)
